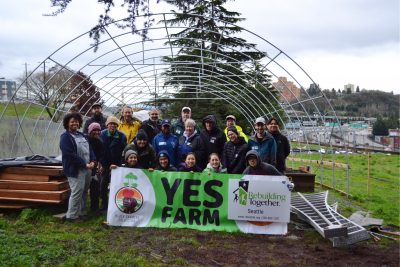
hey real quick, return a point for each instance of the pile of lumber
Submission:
(32, 185)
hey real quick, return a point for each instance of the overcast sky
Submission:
(335, 42)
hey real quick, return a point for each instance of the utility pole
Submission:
(26, 80)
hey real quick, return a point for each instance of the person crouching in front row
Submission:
(190, 164)
(131, 159)
(164, 162)
(256, 167)
(214, 165)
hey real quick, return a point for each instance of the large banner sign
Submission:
(218, 202)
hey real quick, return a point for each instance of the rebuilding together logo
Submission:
(129, 199)
(257, 199)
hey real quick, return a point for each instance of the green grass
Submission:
(32, 111)
(35, 238)
(382, 197)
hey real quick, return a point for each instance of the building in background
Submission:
(348, 88)
(7, 88)
(289, 91)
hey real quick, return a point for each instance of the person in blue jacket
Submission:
(114, 142)
(78, 160)
(263, 143)
(168, 142)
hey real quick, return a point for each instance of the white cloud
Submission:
(336, 42)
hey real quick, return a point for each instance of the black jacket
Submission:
(99, 119)
(98, 149)
(151, 128)
(283, 150)
(233, 157)
(193, 144)
(261, 168)
(146, 156)
(214, 140)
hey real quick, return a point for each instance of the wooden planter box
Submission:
(303, 181)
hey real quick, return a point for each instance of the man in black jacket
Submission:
(283, 146)
(97, 117)
(213, 137)
(152, 126)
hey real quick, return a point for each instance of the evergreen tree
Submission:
(380, 128)
(211, 62)
(357, 89)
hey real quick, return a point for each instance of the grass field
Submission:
(34, 238)
(33, 112)
(381, 196)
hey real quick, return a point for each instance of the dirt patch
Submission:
(298, 247)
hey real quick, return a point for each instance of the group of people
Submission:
(108, 142)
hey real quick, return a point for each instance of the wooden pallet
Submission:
(27, 186)
(39, 170)
(32, 185)
(36, 196)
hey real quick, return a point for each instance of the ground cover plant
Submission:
(381, 196)
(34, 238)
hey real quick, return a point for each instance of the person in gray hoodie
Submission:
(256, 167)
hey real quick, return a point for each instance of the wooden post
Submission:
(369, 173)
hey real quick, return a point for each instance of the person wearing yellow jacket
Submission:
(129, 125)
(231, 121)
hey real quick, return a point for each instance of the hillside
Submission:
(368, 104)
(372, 103)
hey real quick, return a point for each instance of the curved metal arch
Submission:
(271, 59)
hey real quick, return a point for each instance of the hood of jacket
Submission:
(213, 120)
(253, 153)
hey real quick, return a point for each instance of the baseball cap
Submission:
(230, 117)
(96, 105)
(260, 120)
(166, 122)
(186, 108)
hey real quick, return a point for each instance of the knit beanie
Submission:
(128, 153)
(141, 135)
(112, 119)
(93, 126)
(233, 129)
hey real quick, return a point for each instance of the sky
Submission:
(335, 42)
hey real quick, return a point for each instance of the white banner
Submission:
(259, 198)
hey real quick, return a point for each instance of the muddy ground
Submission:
(300, 247)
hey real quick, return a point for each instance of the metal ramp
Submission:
(314, 209)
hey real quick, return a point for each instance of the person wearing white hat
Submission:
(178, 128)
(263, 142)
(231, 121)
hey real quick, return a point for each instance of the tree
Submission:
(84, 93)
(211, 57)
(49, 88)
(380, 128)
(57, 86)
(133, 8)
(357, 89)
